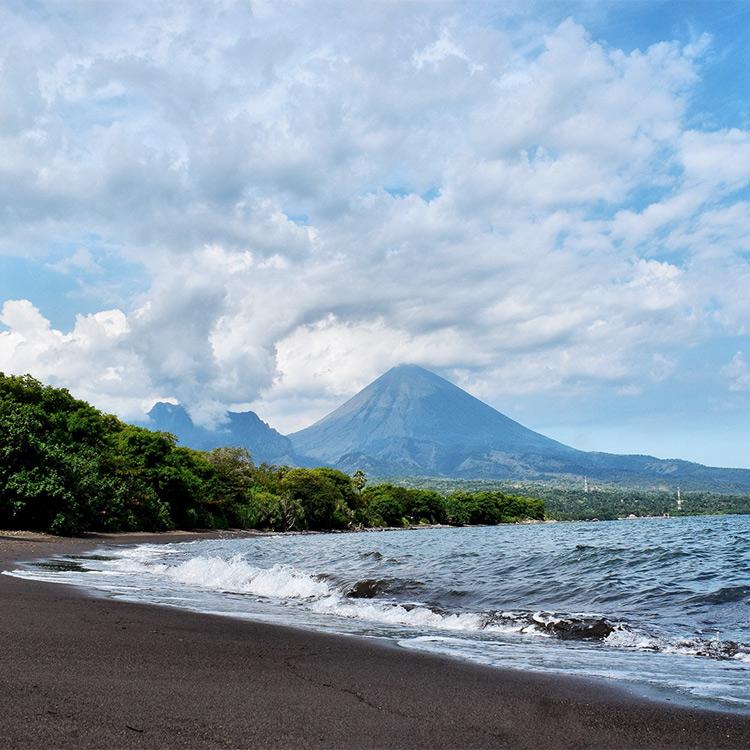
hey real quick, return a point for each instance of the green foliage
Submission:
(390, 505)
(571, 500)
(493, 508)
(321, 493)
(262, 510)
(384, 506)
(67, 468)
(359, 479)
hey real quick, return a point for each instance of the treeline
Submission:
(66, 467)
(564, 502)
(607, 504)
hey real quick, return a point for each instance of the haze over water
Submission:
(659, 604)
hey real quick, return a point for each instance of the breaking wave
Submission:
(236, 576)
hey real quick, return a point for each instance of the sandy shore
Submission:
(83, 672)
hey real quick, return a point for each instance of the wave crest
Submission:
(237, 576)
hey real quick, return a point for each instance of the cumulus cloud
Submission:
(738, 372)
(93, 358)
(318, 193)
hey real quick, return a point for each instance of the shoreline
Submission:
(82, 671)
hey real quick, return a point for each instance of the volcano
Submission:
(412, 422)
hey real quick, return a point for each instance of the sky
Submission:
(266, 204)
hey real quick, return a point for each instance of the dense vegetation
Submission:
(67, 468)
(568, 501)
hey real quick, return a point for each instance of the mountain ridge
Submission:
(242, 429)
(412, 422)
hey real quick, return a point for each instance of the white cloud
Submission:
(265, 165)
(93, 359)
(629, 390)
(81, 260)
(738, 372)
(719, 158)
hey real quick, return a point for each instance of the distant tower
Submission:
(586, 485)
(679, 499)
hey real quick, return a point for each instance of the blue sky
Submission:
(266, 204)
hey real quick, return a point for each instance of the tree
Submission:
(320, 498)
(359, 479)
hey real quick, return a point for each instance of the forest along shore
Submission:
(78, 672)
(68, 468)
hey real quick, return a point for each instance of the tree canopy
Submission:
(67, 468)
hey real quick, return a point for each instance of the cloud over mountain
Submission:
(312, 194)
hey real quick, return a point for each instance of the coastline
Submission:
(79, 671)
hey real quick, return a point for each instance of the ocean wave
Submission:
(368, 599)
(234, 575)
(711, 648)
(371, 555)
(237, 576)
(397, 614)
(725, 595)
(564, 627)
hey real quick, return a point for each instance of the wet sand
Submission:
(82, 672)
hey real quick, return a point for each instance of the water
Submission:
(659, 604)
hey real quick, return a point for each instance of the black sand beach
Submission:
(84, 672)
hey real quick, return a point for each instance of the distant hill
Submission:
(412, 422)
(243, 429)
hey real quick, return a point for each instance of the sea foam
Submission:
(234, 575)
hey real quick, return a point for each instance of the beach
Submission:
(78, 671)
